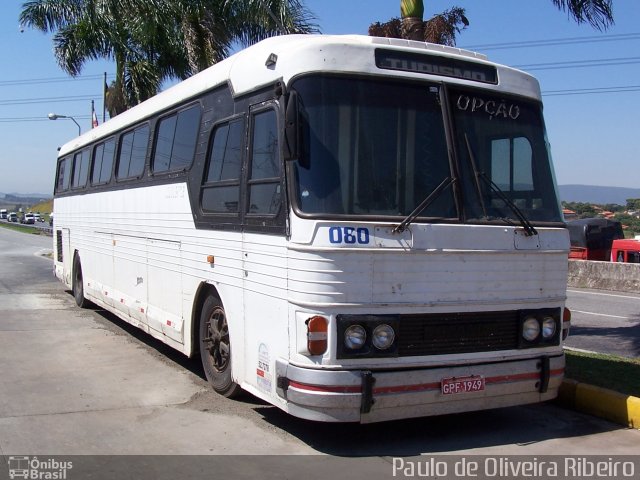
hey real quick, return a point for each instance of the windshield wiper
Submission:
(529, 229)
(476, 176)
(423, 205)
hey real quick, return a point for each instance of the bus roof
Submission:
(284, 57)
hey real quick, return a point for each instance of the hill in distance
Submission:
(596, 194)
(13, 201)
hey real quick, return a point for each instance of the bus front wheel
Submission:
(77, 284)
(215, 348)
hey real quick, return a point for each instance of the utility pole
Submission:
(104, 98)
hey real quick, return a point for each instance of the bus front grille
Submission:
(447, 333)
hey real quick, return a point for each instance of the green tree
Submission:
(154, 40)
(443, 27)
(633, 204)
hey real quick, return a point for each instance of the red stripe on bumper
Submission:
(417, 387)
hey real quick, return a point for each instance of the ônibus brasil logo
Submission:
(36, 469)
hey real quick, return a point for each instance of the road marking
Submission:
(580, 350)
(602, 294)
(600, 314)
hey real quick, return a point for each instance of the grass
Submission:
(44, 208)
(607, 371)
(22, 228)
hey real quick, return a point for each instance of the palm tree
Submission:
(211, 28)
(443, 28)
(154, 40)
(93, 29)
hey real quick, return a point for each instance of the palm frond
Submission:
(444, 27)
(598, 13)
(50, 15)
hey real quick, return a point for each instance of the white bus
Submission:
(350, 228)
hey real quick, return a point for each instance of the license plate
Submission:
(451, 386)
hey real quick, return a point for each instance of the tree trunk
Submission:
(412, 13)
(413, 28)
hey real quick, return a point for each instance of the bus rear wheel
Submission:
(77, 284)
(215, 348)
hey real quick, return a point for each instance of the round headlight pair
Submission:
(531, 328)
(355, 337)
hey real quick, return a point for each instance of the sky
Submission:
(590, 82)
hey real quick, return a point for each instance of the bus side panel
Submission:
(98, 268)
(130, 271)
(164, 282)
(266, 312)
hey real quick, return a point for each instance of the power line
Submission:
(28, 101)
(555, 42)
(591, 91)
(36, 119)
(36, 81)
(603, 62)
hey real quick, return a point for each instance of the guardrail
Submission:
(621, 277)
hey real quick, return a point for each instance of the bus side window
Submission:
(133, 151)
(221, 188)
(80, 168)
(64, 175)
(176, 140)
(264, 187)
(102, 162)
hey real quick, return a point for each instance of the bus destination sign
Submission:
(436, 65)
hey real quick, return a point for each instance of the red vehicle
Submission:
(591, 238)
(627, 251)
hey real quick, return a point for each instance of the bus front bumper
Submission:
(373, 396)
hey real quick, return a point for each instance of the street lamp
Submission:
(54, 116)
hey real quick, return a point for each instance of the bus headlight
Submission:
(539, 328)
(548, 327)
(383, 336)
(530, 329)
(355, 337)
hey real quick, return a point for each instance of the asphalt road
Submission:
(605, 322)
(80, 382)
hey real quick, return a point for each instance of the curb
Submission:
(600, 402)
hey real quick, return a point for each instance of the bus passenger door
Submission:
(264, 253)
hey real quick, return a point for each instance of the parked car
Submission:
(13, 217)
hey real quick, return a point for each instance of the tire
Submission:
(215, 348)
(77, 284)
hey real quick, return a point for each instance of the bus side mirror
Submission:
(293, 142)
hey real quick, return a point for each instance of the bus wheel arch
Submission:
(77, 282)
(214, 344)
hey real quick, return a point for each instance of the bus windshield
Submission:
(379, 148)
